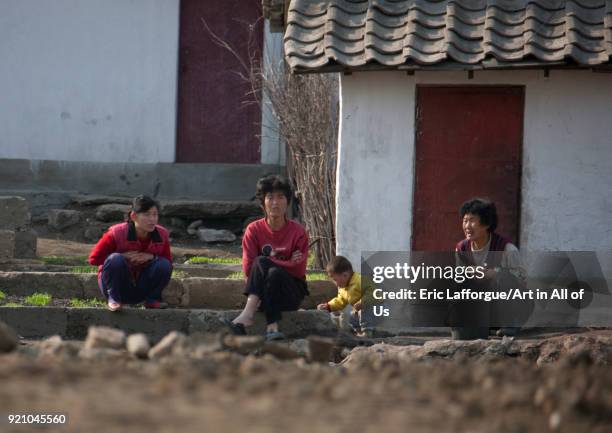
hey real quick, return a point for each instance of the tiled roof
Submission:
(354, 34)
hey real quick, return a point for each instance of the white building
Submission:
(128, 97)
(442, 101)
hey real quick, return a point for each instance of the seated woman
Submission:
(274, 256)
(479, 221)
(134, 259)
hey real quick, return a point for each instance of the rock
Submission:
(192, 229)
(379, 352)
(576, 349)
(102, 354)
(205, 344)
(14, 213)
(320, 349)
(243, 344)
(25, 244)
(7, 244)
(102, 337)
(279, 350)
(61, 219)
(96, 200)
(174, 293)
(212, 235)
(8, 338)
(178, 223)
(175, 233)
(249, 220)
(173, 343)
(554, 421)
(294, 324)
(138, 345)
(300, 345)
(94, 232)
(449, 348)
(112, 212)
(55, 346)
(211, 209)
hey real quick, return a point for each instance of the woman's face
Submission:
(473, 229)
(146, 221)
(275, 204)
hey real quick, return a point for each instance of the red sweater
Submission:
(108, 245)
(284, 243)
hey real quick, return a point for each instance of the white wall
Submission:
(375, 162)
(567, 158)
(88, 80)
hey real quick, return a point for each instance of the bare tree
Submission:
(306, 110)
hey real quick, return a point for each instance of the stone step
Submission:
(194, 292)
(72, 323)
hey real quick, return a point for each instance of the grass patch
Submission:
(201, 260)
(84, 270)
(178, 273)
(316, 276)
(65, 260)
(2, 296)
(11, 304)
(235, 276)
(312, 276)
(38, 299)
(86, 303)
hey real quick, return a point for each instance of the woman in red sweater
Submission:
(134, 259)
(274, 256)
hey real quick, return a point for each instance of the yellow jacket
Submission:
(350, 294)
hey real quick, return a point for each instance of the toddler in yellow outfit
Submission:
(340, 271)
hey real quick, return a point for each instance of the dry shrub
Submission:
(306, 110)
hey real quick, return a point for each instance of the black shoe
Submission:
(235, 328)
(508, 332)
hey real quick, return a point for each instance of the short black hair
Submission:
(485, 209)
(338, 265)
(273, 183)
(143, 203)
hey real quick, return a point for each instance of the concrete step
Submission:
(205, 270)
(195, 292)
(72, 323)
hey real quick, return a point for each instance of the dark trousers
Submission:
(116, 280)
(276, 288)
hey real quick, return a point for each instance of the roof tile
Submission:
(322, 34)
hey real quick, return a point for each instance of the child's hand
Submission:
(357, 305)
(323, 307)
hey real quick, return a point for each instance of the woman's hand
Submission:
(357, 305)
(297, 256)
(323, 307)
(137, 258)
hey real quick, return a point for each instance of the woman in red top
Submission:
(274, 256)
(134, 259)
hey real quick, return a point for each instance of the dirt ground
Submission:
(227, 392)
(62, 247)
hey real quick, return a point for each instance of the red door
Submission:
(217, 121)
(468, 144)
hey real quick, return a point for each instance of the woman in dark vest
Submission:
(134, 259)
(482, 246)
